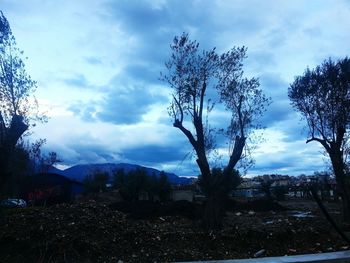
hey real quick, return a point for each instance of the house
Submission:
(249, 188)
(281, 180)
(49, 188)
(182, 193)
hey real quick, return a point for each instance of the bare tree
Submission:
(200, 80)
(322, 96)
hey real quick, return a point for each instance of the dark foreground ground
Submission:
(93, 231)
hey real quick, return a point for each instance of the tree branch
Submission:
(180, 108)
(178, 124)
(236, 154)
(239, 108)
(323, 142)
(201, 105)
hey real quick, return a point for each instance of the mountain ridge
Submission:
(81, 171)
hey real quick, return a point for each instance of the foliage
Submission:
(19, 109)
(136, 181)
(232, 181)
(266, 187)
(322, 96)
(201, 81)
(279, 192)
(162, 186)
(95, 182)
(16, 86)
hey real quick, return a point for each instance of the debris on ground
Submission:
(90, 231)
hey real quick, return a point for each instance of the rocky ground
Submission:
(94, 231)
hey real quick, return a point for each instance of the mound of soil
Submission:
(260, 205)
(92, 231)
(148, 209)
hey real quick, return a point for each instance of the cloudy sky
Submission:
(97, 64)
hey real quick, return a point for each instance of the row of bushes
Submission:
(130, 185)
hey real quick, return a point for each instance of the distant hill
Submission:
(79, 172)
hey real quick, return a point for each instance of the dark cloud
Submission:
(123, 101)
(280, 108)
(82, 149)
(157, 154)
(260, 60)
(274, 85)
(155, 27)
(278, 111)
(127, 106)
(290, 162)
(93, 152)
(141, 73)
(293, 127)
(77, 81)
(86, 111)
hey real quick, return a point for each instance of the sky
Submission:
(97, 64)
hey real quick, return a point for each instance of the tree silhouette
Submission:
(16, 88)
(197, 78)
(95, 182)
(134, 182)
(322, 96)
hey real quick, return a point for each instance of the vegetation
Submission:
(18, 106)
(279, 192)
(132, 184)
(197, 78)
(95, 182)
(322, 96)
(266, 187)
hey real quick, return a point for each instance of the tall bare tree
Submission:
(322, 96)
(199, 78)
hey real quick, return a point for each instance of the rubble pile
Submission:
(91, 231)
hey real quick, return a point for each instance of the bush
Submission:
(132, 184)
(279, 192)
(95, 183)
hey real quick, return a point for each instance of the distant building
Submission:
(182, 193)
(249, 188)
(49, 188)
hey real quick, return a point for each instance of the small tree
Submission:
(95, 182)
(163, 187)
(322, 96)
(279, 192)
(265, 184)
(119, 178)
(131, 184)
(195, 76)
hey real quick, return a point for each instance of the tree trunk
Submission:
(213, 213)
(336, 157)
(9, 138)
(346, 208)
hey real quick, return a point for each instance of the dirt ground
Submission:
(94, 231)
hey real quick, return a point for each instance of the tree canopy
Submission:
(322, 96)
(200, 80)
(18, 107)
(16, 86)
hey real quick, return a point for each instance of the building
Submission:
(49, 188)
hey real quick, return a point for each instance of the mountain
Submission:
(79, 172)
